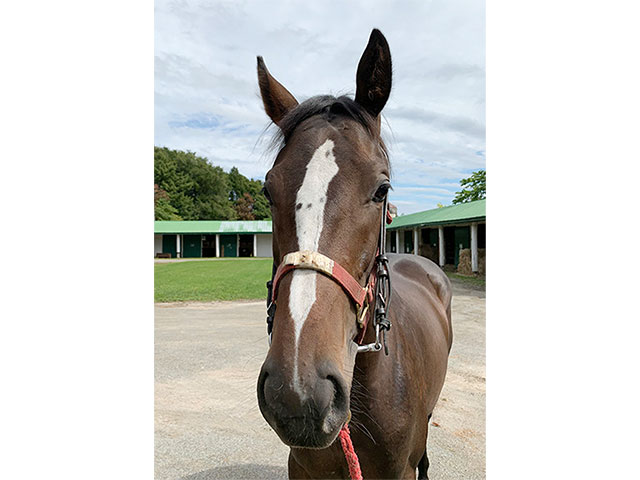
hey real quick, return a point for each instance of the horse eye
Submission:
(265, 192)
(381, 193)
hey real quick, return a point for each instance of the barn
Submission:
(212, 238)
(443, 234)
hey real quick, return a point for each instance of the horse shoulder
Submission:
(410, 272)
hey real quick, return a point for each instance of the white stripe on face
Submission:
(310, 202)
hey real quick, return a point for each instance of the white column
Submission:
(398, 241)
(474, 247)
(255, 245)
(178, 242)
(217, 244)
(441, 245)
(415, 241)
(237, 245)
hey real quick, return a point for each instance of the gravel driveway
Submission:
(207, 421)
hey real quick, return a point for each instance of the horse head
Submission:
(327, 189)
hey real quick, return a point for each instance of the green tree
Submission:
(190, 188)
(196, 189)
(163, 208)
(238, 184)
(241, 185)
(473, 188)
(261, 207)
(170, 178)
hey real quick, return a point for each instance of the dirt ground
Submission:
(207, 422)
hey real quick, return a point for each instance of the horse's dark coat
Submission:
(391, 397)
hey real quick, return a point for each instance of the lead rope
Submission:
(350, 454)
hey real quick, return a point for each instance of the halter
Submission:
(376, 292)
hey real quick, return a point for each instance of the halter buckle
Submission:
(362, 313)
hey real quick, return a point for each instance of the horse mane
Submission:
(330, 107)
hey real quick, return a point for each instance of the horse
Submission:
(326, 367)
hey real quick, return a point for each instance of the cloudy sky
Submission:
(207, 98)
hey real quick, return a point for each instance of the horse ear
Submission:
(277, 99)
(373, 80)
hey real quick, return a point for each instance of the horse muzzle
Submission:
(307, 412)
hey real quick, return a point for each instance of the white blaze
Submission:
(310, 202)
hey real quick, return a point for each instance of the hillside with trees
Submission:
(188, 187)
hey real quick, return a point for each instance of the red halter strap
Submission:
(309, 260)
(363, 297)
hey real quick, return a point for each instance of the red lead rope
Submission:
(350, 454)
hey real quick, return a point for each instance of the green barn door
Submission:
(228, 246)
(192, 246)
(462, 237)
(169, 245)
(408, 241)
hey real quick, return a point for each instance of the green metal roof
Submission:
(461, 213)
(212, 226)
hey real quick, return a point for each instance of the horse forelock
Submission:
(330, 108)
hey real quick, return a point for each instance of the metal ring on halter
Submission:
(372, 347)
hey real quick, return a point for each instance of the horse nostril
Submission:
(339, 391)
(335, 382)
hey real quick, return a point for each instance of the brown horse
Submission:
(328, 189)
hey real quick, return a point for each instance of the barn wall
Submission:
(264, 245)
(157, 244)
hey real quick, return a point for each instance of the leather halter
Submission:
(377, 289)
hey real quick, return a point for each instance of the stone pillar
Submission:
(474, 247)
(255, 245)
(217, 244)
(237, 244)
(441, 246)
(415, 241)
(178, 245)
(398, 241)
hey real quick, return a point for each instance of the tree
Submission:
(171, 178)
(247, 196)
(190, 188)
(474, 188)
(244, 207)
(163, 208)
(238, 184)
(196, 189)
(261, 207)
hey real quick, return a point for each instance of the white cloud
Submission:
(207, 97)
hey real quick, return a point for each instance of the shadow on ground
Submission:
(236, 472)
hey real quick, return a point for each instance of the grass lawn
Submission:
(211, 280)
(475, 281)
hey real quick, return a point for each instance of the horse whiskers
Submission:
(360, 392)
(359, 407)
(356, 424)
